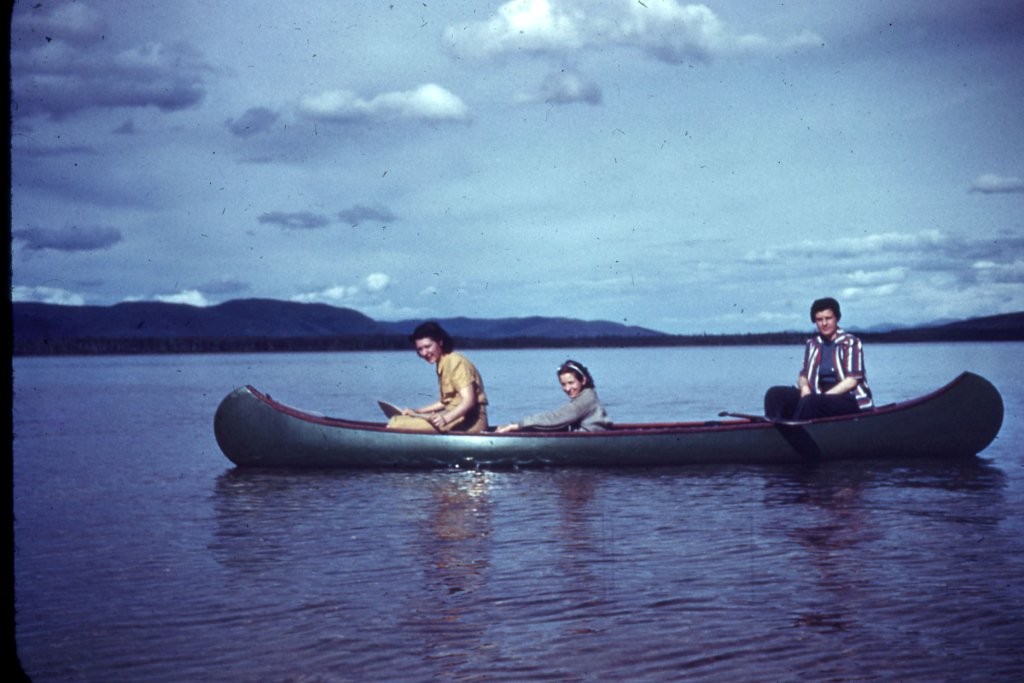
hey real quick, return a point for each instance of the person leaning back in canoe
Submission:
(832, 381)
(463, 403)
(584, 411)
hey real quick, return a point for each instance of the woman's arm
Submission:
(568, 415)
(432, 408)
(844, 386)
(468, 402)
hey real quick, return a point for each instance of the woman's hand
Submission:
(845, 386)
(507, 428)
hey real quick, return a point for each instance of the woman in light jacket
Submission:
(583, 413)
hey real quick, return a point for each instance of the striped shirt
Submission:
(848, 358)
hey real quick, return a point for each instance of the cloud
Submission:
(65, 75)
(429, 102)
(531, 26)
(73, 238)
(887, 244)
(663, 29)
(377, 282)
(191, 297)
(254, 121)
(299, 220)
(360, 213)
(46, 295)
(566, 87)
(63, 64)
(329, 295)
(894, 264)
(876, 291)
(990, 271)
(361, 294)
(994, 184)
(875, 277)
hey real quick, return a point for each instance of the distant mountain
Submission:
(239, 318)
(269, 318)
(533, 327)
(1004, 327)
(932, 324)
(1008, 322)
(271, 325)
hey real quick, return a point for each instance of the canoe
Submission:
(961, 418)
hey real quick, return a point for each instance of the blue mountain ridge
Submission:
(275, 319)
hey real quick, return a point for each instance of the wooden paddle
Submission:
(762, 418)
(791, 430)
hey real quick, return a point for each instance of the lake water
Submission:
(142, 554)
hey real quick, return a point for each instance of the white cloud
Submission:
(665, 29)
(331, 295)
(876, 277)
(888, 243)
(990, 271)
(990, 183)
(372, 284)
(520, 26)
(46, 295)
(429, 102)
(876, 291)
(674, 33)
(376, 282)
(191, 297)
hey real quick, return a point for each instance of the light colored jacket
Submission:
(583, 413)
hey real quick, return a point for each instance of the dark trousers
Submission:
(785, 403)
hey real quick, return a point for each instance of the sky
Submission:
(691, 168)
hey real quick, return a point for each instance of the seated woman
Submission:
(462, 406)
(584, 411)
(832, 380)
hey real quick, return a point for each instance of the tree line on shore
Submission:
(181, 345)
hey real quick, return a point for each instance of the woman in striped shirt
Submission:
(833, 379)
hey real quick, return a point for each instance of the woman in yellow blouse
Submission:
(463, 404)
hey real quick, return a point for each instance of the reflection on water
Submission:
(471, 573)
(844, 528)
(453, 544)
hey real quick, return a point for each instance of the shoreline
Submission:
(106, 346)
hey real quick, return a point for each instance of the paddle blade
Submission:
(389, 409)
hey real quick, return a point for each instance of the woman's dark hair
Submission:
(826, 304)
(579, 370)
(431, 330)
